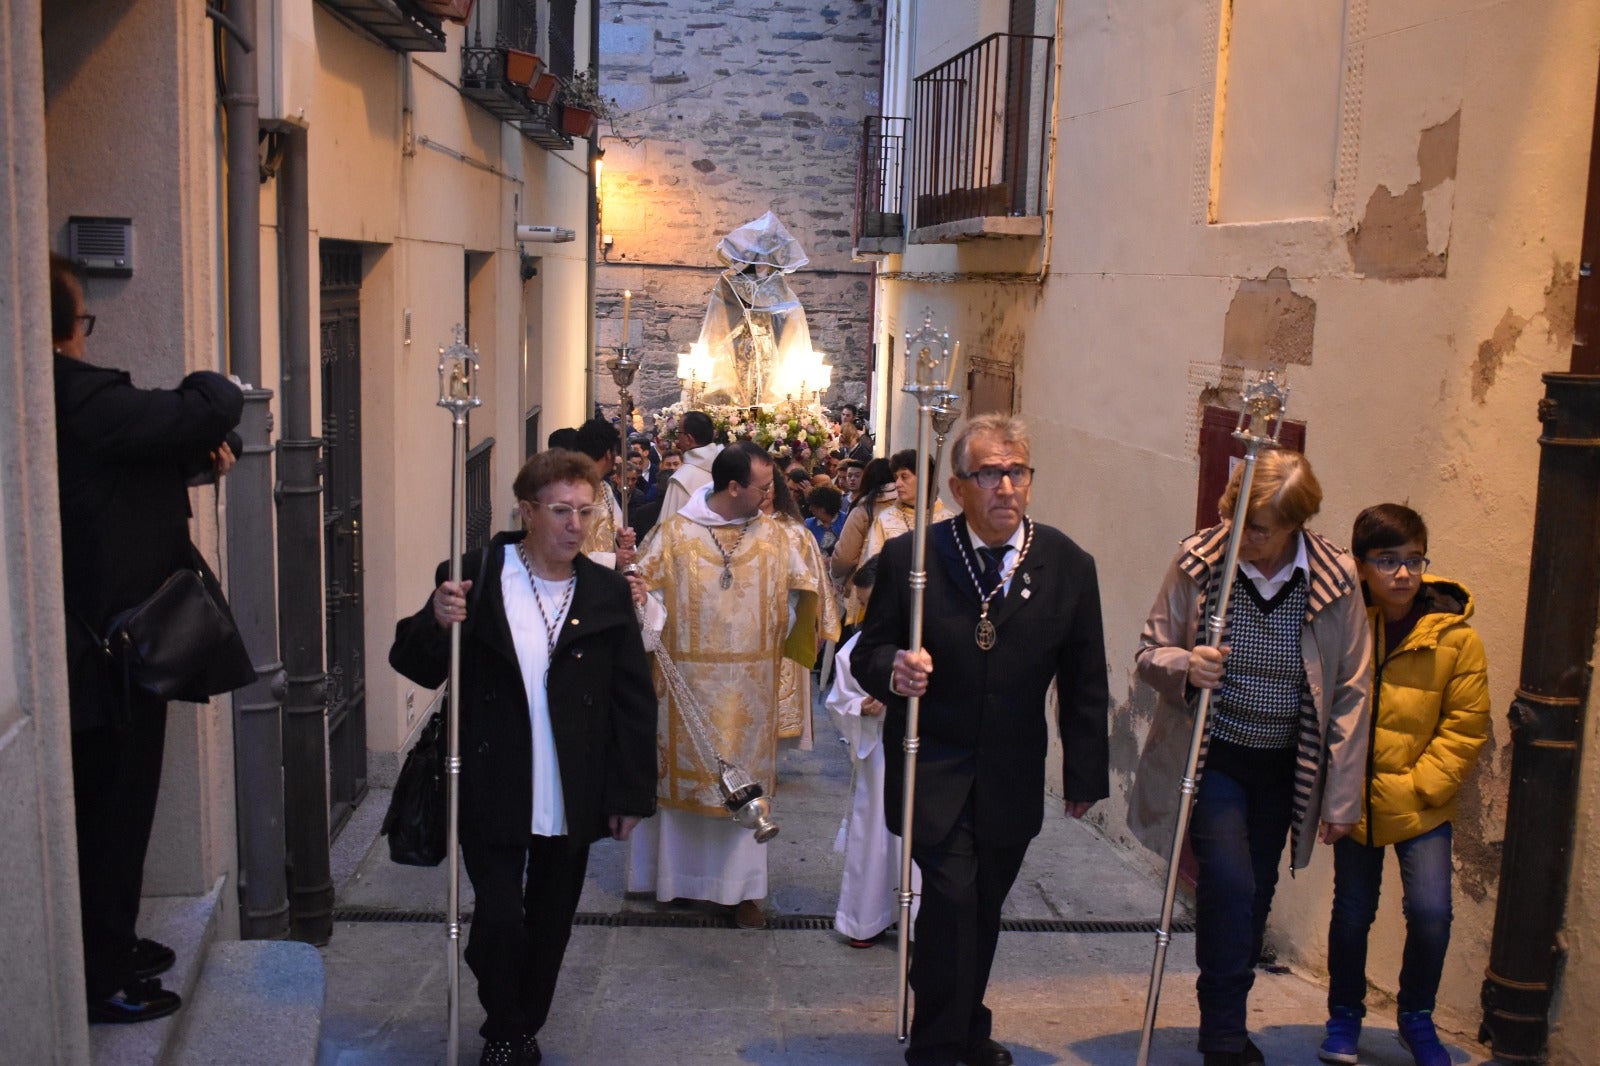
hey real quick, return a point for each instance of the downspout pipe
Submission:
(1547, 715)
(257, 708)
(591, 230)
(300, 599)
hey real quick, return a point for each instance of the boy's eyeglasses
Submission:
(1388, 565)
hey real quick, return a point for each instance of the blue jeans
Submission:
(1425, 896)
(1237, 832)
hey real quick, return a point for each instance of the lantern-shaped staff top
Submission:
(1264, 401)
(458, 375)
(930, 361)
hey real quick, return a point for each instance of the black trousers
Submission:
(964, 885)
(116, 775)
(521, 922)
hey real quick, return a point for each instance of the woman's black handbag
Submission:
(181, 642)
(415, 822)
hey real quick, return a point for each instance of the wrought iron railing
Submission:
(480, 494)
(980, 128)
(880, 177)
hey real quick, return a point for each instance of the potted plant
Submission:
(452, 10)
(543, 89)
(521, 67)
(582, 106)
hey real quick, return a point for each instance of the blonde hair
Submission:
(1007, 429)
(1283, 483)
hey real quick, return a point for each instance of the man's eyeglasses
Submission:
(1388, 565)
(88, 323)
(563, 512)
(989, 477)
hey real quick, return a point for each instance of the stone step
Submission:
(186, 924)
(258, 1001)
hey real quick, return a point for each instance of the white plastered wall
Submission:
(1420, 385)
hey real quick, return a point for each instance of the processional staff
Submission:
(1264, 401)
(623, 367)
(458, 394)
(927, 354)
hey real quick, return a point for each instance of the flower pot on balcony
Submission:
(577, 121)
(453, 10)
(544, 87)
(522, 67)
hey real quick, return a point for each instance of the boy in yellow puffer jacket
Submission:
(1430, 717)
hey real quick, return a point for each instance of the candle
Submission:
(627, 298)
(955, 363)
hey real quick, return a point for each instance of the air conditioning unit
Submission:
(545, 234)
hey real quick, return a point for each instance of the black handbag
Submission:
(415, 820)
(181, 642)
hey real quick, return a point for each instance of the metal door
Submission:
(341, 529)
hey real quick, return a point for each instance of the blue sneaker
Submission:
(1344, 1031)
(1421, 1039)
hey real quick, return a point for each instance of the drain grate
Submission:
(782, 922)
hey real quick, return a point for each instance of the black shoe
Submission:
(1249, 1055)
(530, 1050)
(988, 1053)
(499, 1053)
(151, 959)
(141, 1001)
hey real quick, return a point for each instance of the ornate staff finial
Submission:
(458, 375)
(929, 362)
(1264, 401)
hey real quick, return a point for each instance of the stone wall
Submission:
(725, 110)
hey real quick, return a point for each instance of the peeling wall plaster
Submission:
(1268, 323)
(1407, 234)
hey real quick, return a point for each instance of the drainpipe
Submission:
(591, 231)
(257, 715)
(1547, 715)
(300, 600)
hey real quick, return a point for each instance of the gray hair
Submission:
(1008, 429)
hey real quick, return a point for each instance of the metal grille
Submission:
(879, 178)
(780, 922)
(480, 494)
(980, 131)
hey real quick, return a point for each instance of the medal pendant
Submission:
(726, 580)
(985, 634)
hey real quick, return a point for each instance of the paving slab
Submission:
(668, 996)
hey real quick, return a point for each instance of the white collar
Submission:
(698, 510)
(1253, 572)
(1015, 541)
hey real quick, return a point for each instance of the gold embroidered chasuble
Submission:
(727, 643)
(601, 535)
(800, 651)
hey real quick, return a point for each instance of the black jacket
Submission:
(602, 703)
(124, 456)
(982, 721)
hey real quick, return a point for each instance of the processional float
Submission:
(1264, 401)
(930, 378)
(458, 394)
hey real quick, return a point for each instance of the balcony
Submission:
(400, 24)
(980, 136)
(880, 226)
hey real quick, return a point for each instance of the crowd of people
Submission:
(1349, 704)
(635, 654)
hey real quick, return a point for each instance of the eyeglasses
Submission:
(88, 323)
(563, 512)
(1388, 565)
(989, 477)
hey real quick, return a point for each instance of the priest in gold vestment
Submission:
(735, 587)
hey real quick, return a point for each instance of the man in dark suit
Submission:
(558, 735)
(1010, 606)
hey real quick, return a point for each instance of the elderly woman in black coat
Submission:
(558, 734)
(125, 456)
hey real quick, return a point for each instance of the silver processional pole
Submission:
(1263, 401)
(458, 394)
(623, 367)
(930, 373)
